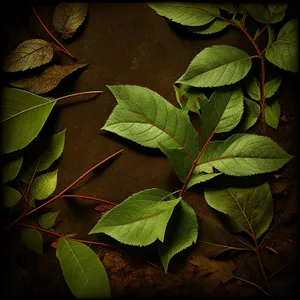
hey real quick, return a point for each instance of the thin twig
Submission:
(51, 35)
(78, 94)
(89, 198)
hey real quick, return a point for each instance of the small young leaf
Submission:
(283, 53)
(215, 66)
(188, 97)
(243, 155)
(214, 26)
(140, 219)
(189, 14)
(83, 271)
(272, 86)
(214, 238)
(44, 186)
(19, 108)
(258, 12)
(47, 80)
(33, 240)
(55, 147)
(181, 233)
(251, 114)
(47, 220)
(180, 161)
(271, 34)
(10, 196)
(201, 178)
(71, 235)
(257, 32)
(272, 114)
(229, 7)
(142, 116)
(250, 209)
(252, 87)
(223, 111)
(11, 168)
(68, 17)
(28, 55)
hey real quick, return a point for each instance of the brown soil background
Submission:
(128, 43)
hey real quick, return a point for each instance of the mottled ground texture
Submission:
(130, 44)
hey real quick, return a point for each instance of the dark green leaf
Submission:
(47, 220)
(271, 35)
(47, 80)
(214, 26)
(201, 178)
(251, 114)
(215, 66)
(33, 240)
(258, 12)
(223, 111)
(272, 114)
(44, 186)
(214, 238)
(181, 233)
(253, 88)
(278, 17)
(277, 7)
(143, 116)
(257, 32)
(10, 196)
(272, 86)
(250, 209)
(188, 97)
(186, 13)
(283, 53)
(11, 168)
(140, 219)
(243, 155)
(68, 17)
(229, 7)
(19, 109)
(83, 271)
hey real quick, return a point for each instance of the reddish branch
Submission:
(63, 49)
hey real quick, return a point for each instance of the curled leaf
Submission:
(28, 55)
(47, 80)
(68, 17)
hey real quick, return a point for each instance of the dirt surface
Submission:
(130, 44)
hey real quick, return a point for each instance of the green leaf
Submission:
(10, 196)
(83, 271)
(47, 80)
(215, 66)
(188, 97)
(201, 178)
(257, 32)
(277, 7)
(214, 26)
(28, 55)
(223, 111)
(33, 240)
(143, 117)
(186, 13)
(214, 238)
(252, 87)
(229, 7)
(181, 233)
(68, 17)
(180, 161)
(55, 146)
(278, 17)
(11, 168)
(250, 209)
(19, 109)
(44, 186)
(271, 34)
(71, 235)
(272, 114)
(251, 114)
(47, 220)
(283, 53)
(243, 155)
(272, 86)
(140, 219)
(258, 12)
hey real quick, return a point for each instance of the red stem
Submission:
(78, 94)
(89, 198)
(51, 35)
(77, 180)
